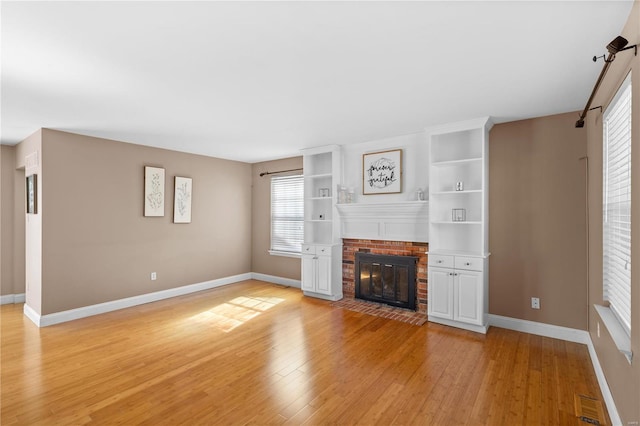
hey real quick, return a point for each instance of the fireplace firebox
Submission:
(386, 279)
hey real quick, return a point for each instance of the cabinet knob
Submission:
(468, 263)
(439, 261)
(451, 273)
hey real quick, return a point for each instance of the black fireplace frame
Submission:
(410, 262)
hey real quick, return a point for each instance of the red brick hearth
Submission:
(395, 248)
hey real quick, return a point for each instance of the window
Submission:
(616, 200)
(287, 215)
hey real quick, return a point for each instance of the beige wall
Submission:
(7, 161)
(32, 146)
(12, 230)
(537, 221)
(261, 261)
(19, 231)
(622, 377)
(98, 246)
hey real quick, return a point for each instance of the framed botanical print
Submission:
(153, 191)
(182, 200)
(32, 194)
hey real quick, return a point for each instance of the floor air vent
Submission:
(589, 410)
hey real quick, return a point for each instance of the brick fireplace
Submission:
(395, 248)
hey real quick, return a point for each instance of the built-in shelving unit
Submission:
(322, 248)
(458, 224)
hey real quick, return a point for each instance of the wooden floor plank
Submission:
(258, 353)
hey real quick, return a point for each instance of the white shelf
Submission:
(458, 253)
(456, 162)
(464, 222)
(319, 176)
(322, 172)
(469, 191)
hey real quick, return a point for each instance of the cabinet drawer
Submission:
(323, 250)
(440, 260)
(469, 263)
(308, 249)
(316, 249)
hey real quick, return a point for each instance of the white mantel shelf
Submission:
(397, 221)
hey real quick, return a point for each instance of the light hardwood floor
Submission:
(258, 353)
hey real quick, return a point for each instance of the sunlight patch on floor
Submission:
(232, 314)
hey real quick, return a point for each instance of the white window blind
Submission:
(287, 214)
(617, 205)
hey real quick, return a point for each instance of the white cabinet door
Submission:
(440, 293)
(308, 272)
(323, 284)
(468, 300)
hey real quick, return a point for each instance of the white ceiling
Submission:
(254, 81)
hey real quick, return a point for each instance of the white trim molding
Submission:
(604, 386)
(568, 334)
(101, 308)
(9, 299)
(276, 280)
(399, 221)
(540, 329)
(616, 330)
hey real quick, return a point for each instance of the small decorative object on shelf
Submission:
(419, 194)
(342, 194)
(460, 186)
(458, 215)
(351, 196)
(324, 192)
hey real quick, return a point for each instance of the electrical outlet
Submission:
(153, 276)
(535, 303)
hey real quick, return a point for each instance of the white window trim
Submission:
(276, 252)
(285, 253)
(612, 323)
(615, 329)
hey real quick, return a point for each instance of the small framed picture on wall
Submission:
(32, 194)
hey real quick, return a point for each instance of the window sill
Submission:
(619, 336)
(285, 254)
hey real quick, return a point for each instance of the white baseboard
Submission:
(540, 329)
(9, 299)
(568, 334)
(459, 324)
(101, 308)
(604, 386)
(276, 280)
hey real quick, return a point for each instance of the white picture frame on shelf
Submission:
(153, 191)
(182, 200)
(382, 172)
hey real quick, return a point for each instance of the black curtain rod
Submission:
(281, 171)
(617, 45)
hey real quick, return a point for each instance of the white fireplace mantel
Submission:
(397, 221)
